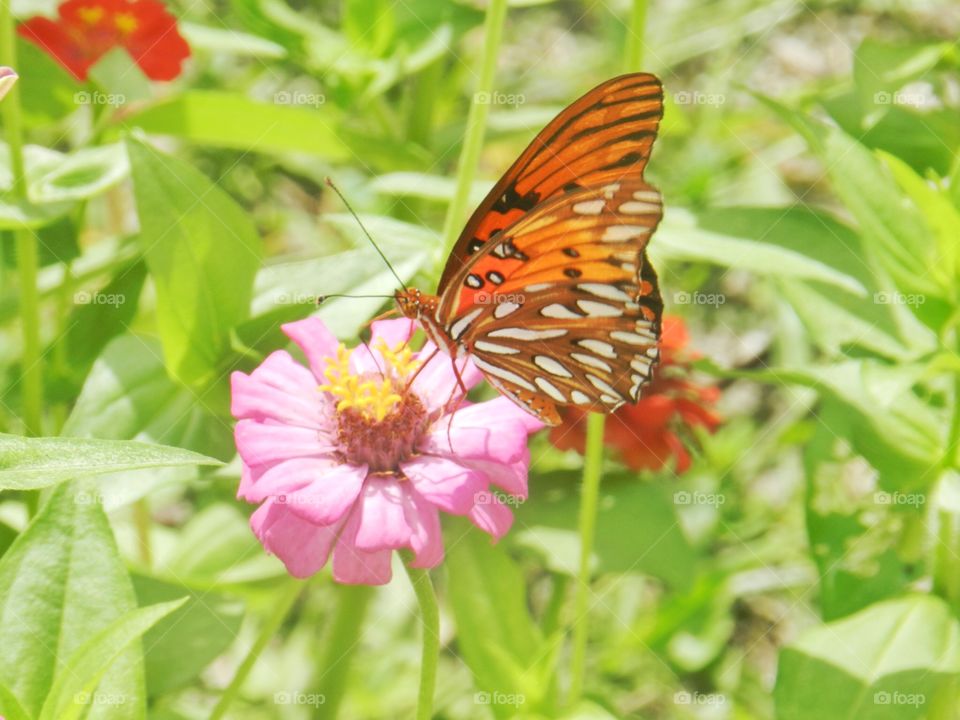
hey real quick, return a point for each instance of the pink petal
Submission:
(436, 383)
(263, 443)
(511, 477)
(381, 517)
(490, 430)
(427, 538)
(279, 389)
(392, 332)
(302, 547)
(444, 482)
(358, 567)
(316, 341)
(494, 518)
(329, 493)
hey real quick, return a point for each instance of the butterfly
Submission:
(548, 287)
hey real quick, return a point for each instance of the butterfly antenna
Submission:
(376, 247)
(323, 298)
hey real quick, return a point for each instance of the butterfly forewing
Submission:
(603, 137)
(568, 312)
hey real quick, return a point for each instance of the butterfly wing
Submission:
(562, 307)
(605, 135)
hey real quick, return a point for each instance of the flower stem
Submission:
(430, 618)
(635, 36)
(270, 626)
(476, 124)
(31, 382)
(339, 645)
(589, 501)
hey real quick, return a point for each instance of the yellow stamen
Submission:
(90, 15)
(373, 397)
(125, 22)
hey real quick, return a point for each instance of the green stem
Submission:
(476, 124)
(141, 521)
(635, 36)
(339, 645)
(430, 656)
(270, 626)
(31, 382)
(589, 501)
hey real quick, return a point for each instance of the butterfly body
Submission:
(549, 288)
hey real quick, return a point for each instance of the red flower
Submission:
(87, 29)
(646, 434)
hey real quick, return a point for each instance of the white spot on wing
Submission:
(505, 308)
(610, 190)
(579, 398)
(633, 338)
(550, 389)
(604, 290)
(503, 373)
(632, 207)
(461, 325)
(599, 347)
(650, 196)
(592, 361)
(537, 287)
(621, 233)
(495, 348)
(551, 366)
(603, 386)
(589, 207)
(515, 333)
(559, 312)
(598, 309)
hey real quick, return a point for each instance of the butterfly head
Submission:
(415, 304)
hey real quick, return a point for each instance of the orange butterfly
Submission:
(548, 287)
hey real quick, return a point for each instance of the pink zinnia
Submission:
(351, 458)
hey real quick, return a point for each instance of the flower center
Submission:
(90, 15)
(126, 23)
(378, 420)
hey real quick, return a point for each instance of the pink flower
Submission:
(351, 459)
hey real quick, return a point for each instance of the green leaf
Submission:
(47, 90)
(892, 230)
(128, 395)
(74, 687)
(96, 318)
(496, 636)
(181, 645)
(885, 328)
(82, 175)
(31, 463)
(232, 120)
(10, 707)
(64, 582)
(881, 68)
(896, 659)
(679, 238)
(229, 41)
(202, 252)
(637, 529)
